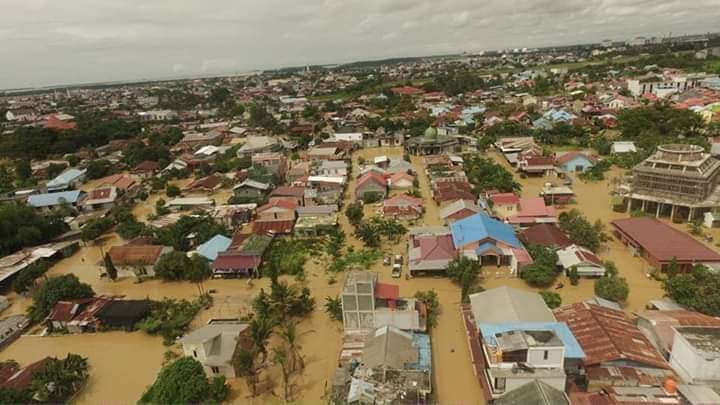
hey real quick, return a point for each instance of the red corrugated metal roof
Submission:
(272, 227)
(387, 291)
(545, 235)
(234, 261)
(505, 199)
(607, 335)
(663, 241)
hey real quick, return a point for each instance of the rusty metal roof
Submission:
(607, 335)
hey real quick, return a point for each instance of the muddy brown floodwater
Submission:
(124, 364)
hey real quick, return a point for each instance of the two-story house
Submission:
(214, 346)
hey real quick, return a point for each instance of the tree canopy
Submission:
(613, 288)
(21, 226)
(698, 289)
(581, 231)
(543, 271)
(181, 382)
(465, 272)
(484, 174)
(65, 287)
(174, 266)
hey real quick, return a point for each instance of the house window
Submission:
(499, 384)
(195, 353)
(545, 355)
(215, 370)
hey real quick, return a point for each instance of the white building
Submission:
(213, 346)
(695, 354)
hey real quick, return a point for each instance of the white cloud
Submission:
(49, 42)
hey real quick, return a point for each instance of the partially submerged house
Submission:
(574, 162)
(368, 304)
(490, 242)
(430, 250)
(51, 201)
(581, 259)
(371, 183)
(548, 235)
(136, 260)
(69, 179)
(660, 244)
(243, 258)
(403, 207)
(616, 351)
(214, 346)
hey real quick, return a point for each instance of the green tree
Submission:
(465, 272)
(11, 396)
(581, 231)
(199, 271)
(98, 168)
(484, 174)
(369, 234)
(174, 266)
(280, 358)
(247, 365)
(698, 289)
(172, 190)
(25, 280)
(94, 228)
(333, 307)
(432, 304)
(543, 271)
(65, 287)
(110, 269)
(552, 299)
(21, 226)
(615, 289)
(182, 382)
(59, 379)
(573, 275)
(354, 213)
(23, 171)
(290, 336)
(170, 318)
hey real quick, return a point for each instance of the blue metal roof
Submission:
(572, 347)
(480, 226)
(422, 342)
(213, 246)
(50, 199)
(65, 178)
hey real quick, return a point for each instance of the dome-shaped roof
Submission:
(431, 132)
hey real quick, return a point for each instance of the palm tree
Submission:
(290, 336)
(280, 357)
(260, 332)
(333, 307)
(245, 364)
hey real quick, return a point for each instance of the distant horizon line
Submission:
(191, 76)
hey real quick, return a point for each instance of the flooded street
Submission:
(122, 365)
(137, 357)
(455, 381)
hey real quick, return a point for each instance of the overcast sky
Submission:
(45, 42)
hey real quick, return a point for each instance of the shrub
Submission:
(615, 289)
(552, 299)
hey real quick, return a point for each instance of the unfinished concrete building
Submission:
(358, 300)
(677, 180)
